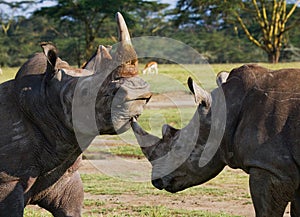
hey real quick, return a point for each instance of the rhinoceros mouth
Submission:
(169, 184)
(129, 110)
(128, 102)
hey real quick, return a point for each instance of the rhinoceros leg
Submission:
(270, 194)
(65, 198)
(11, 199)
(295, 206)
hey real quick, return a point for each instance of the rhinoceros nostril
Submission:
(158, 183)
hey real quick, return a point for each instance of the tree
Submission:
(150, 20)
(91, 15)
(7, 15)
(270, 17)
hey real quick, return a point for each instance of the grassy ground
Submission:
(109, 196)
(102, 193)
(171, 76)
(7, 74)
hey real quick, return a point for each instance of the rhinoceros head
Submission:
(182, 157)
(116, 90)
(101, 98)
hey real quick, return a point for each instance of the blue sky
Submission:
(6, 10)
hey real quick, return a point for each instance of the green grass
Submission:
(153, 119)
(133, 211)
(115, 186)
(8, 73)
(34, 212)
(99, 184)
(173, 77)
(152, 211)
(127, 150)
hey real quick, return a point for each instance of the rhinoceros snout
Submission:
(158, 183)
(129, 101)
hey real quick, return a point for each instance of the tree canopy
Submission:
(222, 31)
(265, 23)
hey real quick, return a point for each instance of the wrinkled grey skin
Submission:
(39, 148)
(260, 135)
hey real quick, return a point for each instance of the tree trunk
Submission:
(274, 56)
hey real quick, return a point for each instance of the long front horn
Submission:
(125, 54)
(123, 33)
(146, 141)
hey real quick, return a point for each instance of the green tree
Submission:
(150, 20)
(8, 11)
(89, 16)
(265, 23)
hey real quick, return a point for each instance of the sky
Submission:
(47, 3)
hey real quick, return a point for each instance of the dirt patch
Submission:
(171, 100)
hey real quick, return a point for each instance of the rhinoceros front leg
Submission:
(11, 199)
(295, 206)
(270, 194)
(65, 198)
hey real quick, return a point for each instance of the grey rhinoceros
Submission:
(252, 122)
(45, 123)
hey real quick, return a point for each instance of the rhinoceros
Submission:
(42, 139)
(251, 122)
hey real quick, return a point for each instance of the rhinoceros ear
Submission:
(51, 53)
(222, 77)
(201, 96)
(97, 62)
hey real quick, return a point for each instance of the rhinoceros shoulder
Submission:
(16, 149)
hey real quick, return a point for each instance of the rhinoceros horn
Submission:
(172, 150)
(125, 54)
(123, 33)
(146, 141)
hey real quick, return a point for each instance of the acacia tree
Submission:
(7, 15)
(270, 17)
